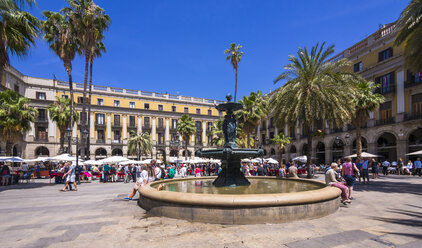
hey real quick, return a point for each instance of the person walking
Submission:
(133, 171)
(348, 174)
(359, 166)
(126, 170)
(418, 167)
(38, 170)
(364, 173)
(70, 177)
(385, 166)
(5, 175)
(106, 172)
(183, 171)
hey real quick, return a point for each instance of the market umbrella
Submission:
(246, 160)
(113, 160)
(131, 162)
(93, 162)
(39, 159)
(62, 157)
(364, 155)
(415, 153)
(272, 161)
(302, 159)
(11, 159)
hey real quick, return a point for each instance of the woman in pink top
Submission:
(347, 172)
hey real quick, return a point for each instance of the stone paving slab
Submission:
(386, 213)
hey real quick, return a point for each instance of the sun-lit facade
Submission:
(392, 131)
(115, 113)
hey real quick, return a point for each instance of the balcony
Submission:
(412, 83)
(382, 122)
(131, 126)
(99, 124)
(41, 119)
(161, 127)
(173, 130)
(100, 141)
(413, 116)
(116, 142)
(43, 137)
(116, 125)
(385, 90)
(146, 128)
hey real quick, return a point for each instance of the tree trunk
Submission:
(235, 88)
(68, 67)
(88, 142)
(358, 142)
(62, 135)
(84, 104)
(9, 148)
(186, 147)
(248, 140)
(309, 154)
(281, 156)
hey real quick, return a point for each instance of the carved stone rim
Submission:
(247, 200)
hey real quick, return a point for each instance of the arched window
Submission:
(42, 151)
(117, 152)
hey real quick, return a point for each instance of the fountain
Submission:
(232, 198)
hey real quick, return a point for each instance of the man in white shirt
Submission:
(157, 171)
(385, 166)
(183, 171)
(142, 180)
(25, 168)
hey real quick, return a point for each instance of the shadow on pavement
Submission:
(390, 187)
(26, 186)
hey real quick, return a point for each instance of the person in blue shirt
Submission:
(418, 167)
(359, 166)
(364, 173)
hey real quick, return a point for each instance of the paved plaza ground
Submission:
(386, 213)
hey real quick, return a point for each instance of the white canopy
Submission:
(256, 160)
(131, 162)
(62, 157)
(11, 159)
(364, 155)
(39, 159)
(113, 160)
(148, 161)
(302, 159)
(246, 160)
(271, 161)
(415, 153)
(93, 162)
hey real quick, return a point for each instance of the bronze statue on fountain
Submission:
(230, 154)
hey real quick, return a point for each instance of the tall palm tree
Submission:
(255, 107)
(282, 141)
(366, 101)
(60, 34)
(95, 53)
(409, 34)
(15, 118)
(316, 89)
(18, 30)
(61, 112)
(234, 55)
(90, 21)
(139, 143)
(186, 128)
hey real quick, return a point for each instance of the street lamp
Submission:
(69, 136)
(84, 136)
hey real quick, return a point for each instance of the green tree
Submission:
(186, 128)
(90, 22)
(139, 143)
(255, 107)
(317, 89)
(409, 34)
(365, 101)
(62, 38)
(95, 53)
(282, 141)
(15, 118)
(234, 55)
(218, 135)
(61, 112)
(18, 30)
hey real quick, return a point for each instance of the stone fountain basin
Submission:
(240, 208)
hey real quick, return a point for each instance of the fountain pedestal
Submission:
(230, 155)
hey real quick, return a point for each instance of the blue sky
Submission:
(177, 46)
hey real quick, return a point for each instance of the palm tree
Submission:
(255, 107)
(282, 141)
(234, 55)
(186, 128)
(90, 21)
(18, 30)
(60, 34)
(409, 34)
(316, 90)
(15, 118)
(218, 135)
(61, 112)
(366, 101)
(95, 53)
(139, 143)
